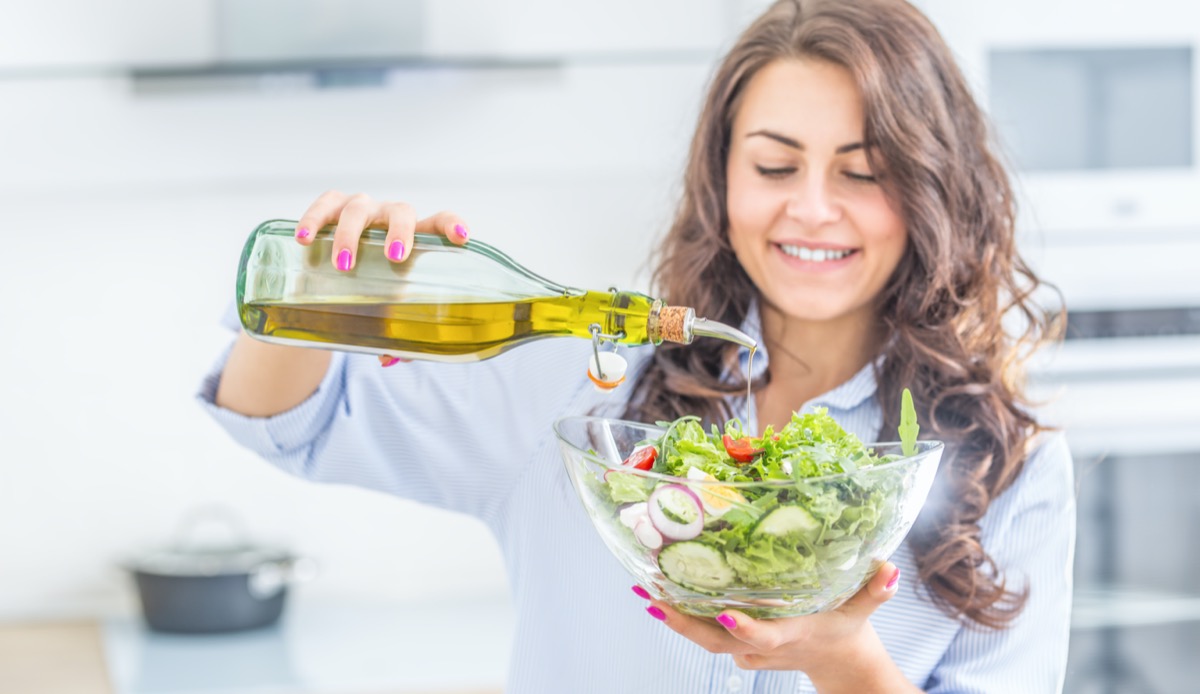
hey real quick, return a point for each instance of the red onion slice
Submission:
(676, 512)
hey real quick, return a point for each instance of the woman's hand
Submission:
(839, 650)
(352, 214)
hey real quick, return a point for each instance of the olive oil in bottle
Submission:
(452, 330)
(443, 302)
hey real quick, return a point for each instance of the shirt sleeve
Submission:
(452, 435)
(1032, 540)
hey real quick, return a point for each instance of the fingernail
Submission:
(657, 613)
(640, 592)
(727, 621)
(302, 233)
(460, 230)
(389, 361)
(343, 262)
(396, 250)
(895, 579)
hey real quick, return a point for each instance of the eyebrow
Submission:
(794, 144)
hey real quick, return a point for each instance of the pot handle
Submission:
(213, 516)
(269, 578)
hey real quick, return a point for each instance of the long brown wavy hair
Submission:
(941, 310)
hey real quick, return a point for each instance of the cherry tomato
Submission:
(740, 449)
(643, 458)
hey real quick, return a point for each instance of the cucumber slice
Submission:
(696, 566)
(789, 521)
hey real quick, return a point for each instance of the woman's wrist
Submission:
(262, 379)
(864, 669)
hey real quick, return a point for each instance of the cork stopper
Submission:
(675, 324)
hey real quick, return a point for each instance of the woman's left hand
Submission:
(822, 645)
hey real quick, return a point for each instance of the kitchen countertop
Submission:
(315, 649)
(53, 658)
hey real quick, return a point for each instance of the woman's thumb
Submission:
(879, 589)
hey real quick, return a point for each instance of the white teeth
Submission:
(818, 255)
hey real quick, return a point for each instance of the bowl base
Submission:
(766, 608)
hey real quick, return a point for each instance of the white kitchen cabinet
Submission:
(51, 36)
(305, 30)
(533, 28)
(78, 36)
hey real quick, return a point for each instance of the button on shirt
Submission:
(579, 627)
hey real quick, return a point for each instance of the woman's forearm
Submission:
(868, 669)
(262, 379)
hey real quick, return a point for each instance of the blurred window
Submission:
(1116, 108)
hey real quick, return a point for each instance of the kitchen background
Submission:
(141, 141)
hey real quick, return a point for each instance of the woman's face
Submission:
(808, 220)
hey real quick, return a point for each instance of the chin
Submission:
(798, 310)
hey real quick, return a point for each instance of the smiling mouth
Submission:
(816, 255)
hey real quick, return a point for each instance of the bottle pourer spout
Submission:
(711, 328)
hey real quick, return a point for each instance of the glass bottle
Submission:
(444, 302)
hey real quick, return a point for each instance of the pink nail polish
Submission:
(302, 233)
(640, 592)
(657, 613)
(460, 230)
(389, 361)
(895, 579)
(396, 250)
(727, 621)
(343, 260)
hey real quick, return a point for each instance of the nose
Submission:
(812, 203)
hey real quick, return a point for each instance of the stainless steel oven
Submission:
(1127, 390)
(1125, 385)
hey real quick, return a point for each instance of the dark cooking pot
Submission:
(205, 589)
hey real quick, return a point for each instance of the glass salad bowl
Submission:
(775, 539)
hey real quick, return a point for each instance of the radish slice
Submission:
(676, 512)
(632, 513)
(646, 533)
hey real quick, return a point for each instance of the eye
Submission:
(779, 172)
(863, 178)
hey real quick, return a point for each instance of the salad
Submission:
(725, 510)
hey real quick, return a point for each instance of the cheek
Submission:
(894, 243)
(888, 234)
(735, 203)
(750, 220)
(740, 214)
(750, 208)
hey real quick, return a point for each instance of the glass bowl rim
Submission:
(927, 448)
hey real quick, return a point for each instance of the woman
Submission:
(841, 203)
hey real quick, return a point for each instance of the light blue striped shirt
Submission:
(579, 628)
